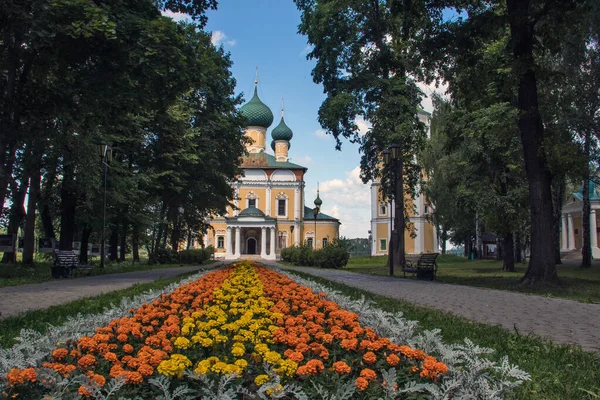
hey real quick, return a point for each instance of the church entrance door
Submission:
(251, 246)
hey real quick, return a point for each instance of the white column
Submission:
(435, 238)
(238, 244)
(594, 234)
(236, 202)
(263, 242)
(563, 243)
(268, 202)
(272, 252)
(296, 204)
(571, 232)
(228, 245)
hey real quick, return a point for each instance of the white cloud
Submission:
(347, 199)
(307, 49)
(363, 126)
(322, 134)
(176, 16)
(219, 37)
(429, 90)
(304, 160)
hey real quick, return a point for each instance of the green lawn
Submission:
(558, 372)
(575, 283)
(39, 320)
(18, 274)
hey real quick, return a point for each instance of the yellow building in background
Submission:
(382, 214)
(270, 212)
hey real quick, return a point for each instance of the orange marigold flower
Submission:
(84, 392)
(349, 344)
(146, 370)
(369, 357)
(341, 367)
(110, 356)
(117, 371)
(86, 361)
(98, 379)
(60, 353)
(134, 377)
(122, 338)
(127, 348)
(368, 374)
(361, 384)
(393, 360)
(15, 377)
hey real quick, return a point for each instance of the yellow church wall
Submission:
(219, 229)
(409, 243)
(260, 193)
(428, 245)
(328, 230)
(382, 233)
(290, 203)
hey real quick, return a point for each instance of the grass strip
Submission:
(39, 320)
(558, 372)
(580, 284)
(19, 274)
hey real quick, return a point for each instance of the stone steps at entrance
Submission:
(571, 254)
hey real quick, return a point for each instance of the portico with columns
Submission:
(571, 221)
(267, 212)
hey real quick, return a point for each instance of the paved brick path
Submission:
(562, 321)
(17, 299)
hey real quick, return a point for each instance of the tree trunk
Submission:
(123, 243)
(509, 255)
(68, 197)
(45, 202)
(558, 192)
(468, 247)
(518, 249)
(541, 263)
(85, 241)
(29, 231)
(444, 237)
(586, 242)
(189, 239)
(17, 213)
(161, 225)
(135, 243)
(400, 221)
(114, 244)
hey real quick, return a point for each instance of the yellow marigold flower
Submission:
(241, 363)
(273, 391)
(221, 339)
(206, 342)
(182, 343)
(261, 348)
(261, 379)
(219, 367)
(272, 357)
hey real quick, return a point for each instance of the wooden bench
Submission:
(423, 266)
(66, 262)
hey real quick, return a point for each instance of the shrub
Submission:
(196, 256)
(331, 256)
(163, 256)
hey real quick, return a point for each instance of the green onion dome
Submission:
(251, 212)
(282, 132)
(256, 112)
(318, 200)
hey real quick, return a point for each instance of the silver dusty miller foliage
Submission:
(471, 374)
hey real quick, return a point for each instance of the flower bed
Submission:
(247, 330)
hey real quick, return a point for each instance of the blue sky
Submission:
(263, 33)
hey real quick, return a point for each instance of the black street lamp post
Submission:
(105, 152)
(315, 214)
(291, 232)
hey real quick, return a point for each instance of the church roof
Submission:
(308, 216)
(256, 112)
(594, 191)
(265, 160)
(251, 212)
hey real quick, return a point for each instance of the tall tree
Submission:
(368, 58)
